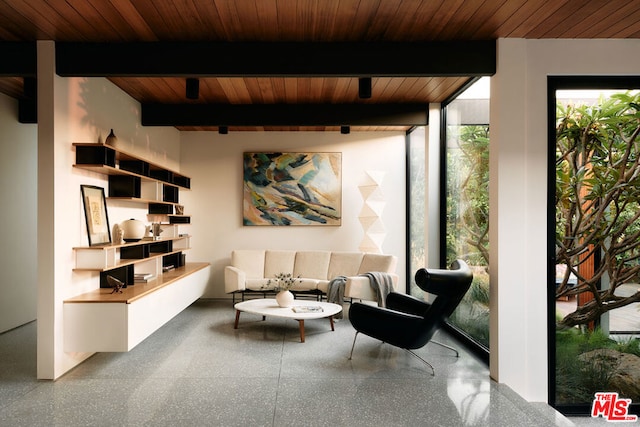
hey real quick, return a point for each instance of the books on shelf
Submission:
(143, 277)
(307, 309)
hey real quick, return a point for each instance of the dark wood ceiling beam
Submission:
(19, 59)
(285, 115)
(243, 59)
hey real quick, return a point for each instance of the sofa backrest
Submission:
(378, 262)
(323, 265)
(344, 264)
(251, 261)
(312, 264)
(276, 262)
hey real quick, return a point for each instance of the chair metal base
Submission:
(433, 371)
(446, 346)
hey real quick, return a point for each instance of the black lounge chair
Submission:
(408, 322)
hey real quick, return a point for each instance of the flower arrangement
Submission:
(283, 282)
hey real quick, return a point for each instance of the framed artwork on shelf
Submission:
(95, 213)
(292, 188)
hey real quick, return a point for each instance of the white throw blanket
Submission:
(382, 284)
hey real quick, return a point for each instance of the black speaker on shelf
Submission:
(124, 186)
(136, 166)
(99, 155)
(170, 193)
(134, 252)
(181, 181)
(161, 247)
(161, 175)
(179, 220)
(124, 274)
(160, 209)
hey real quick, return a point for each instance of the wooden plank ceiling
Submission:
(332, 21)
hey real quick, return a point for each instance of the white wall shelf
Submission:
(105, 320)
(108, 257)
(100, 320)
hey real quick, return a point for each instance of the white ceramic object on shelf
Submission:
(133, 230)
(284, 298)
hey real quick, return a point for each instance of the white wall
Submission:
(518, 194)
(78, 110)
(84, 109)
(214, 163)
(18, 158)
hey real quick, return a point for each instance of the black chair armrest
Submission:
(406, 304)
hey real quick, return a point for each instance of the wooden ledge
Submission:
(138, 290)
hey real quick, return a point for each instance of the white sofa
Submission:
(250, 270)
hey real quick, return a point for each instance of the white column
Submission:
(46, 205)
(517, 227)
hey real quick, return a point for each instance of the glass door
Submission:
(594, 283)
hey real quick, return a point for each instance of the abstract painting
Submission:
(292, 188)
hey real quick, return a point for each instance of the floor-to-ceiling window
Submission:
(465, 203)
(594, 217)
(417, 206)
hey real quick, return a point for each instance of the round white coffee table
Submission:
(269, 307)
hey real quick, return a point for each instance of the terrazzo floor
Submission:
(198, 370)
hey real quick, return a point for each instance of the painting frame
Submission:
(287, 188)
(95, 215)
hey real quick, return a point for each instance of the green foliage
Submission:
(472, 315)
(597, 176)
(631, 346)
(578, 381)
(467, 222)
(468, 194)
(479, 290)
(473, 319)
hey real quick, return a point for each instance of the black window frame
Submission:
(555, 83)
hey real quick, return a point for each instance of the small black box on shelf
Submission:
(134, 252)
(179, 220)
(161, 175)
(124, 186)
(124, 274)
(170, 193)
(99, 155)
(182, 181)
(136, 166)
(161, 247)
(172, 260)
(160, 208)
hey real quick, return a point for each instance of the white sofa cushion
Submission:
(258, 284)
(377, 262)
(276, 262)
(312, 264)
(251, 261)
(344, 264)
(305, 284)
(323, 286)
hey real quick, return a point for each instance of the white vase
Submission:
(284, 298)
(133, 230)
